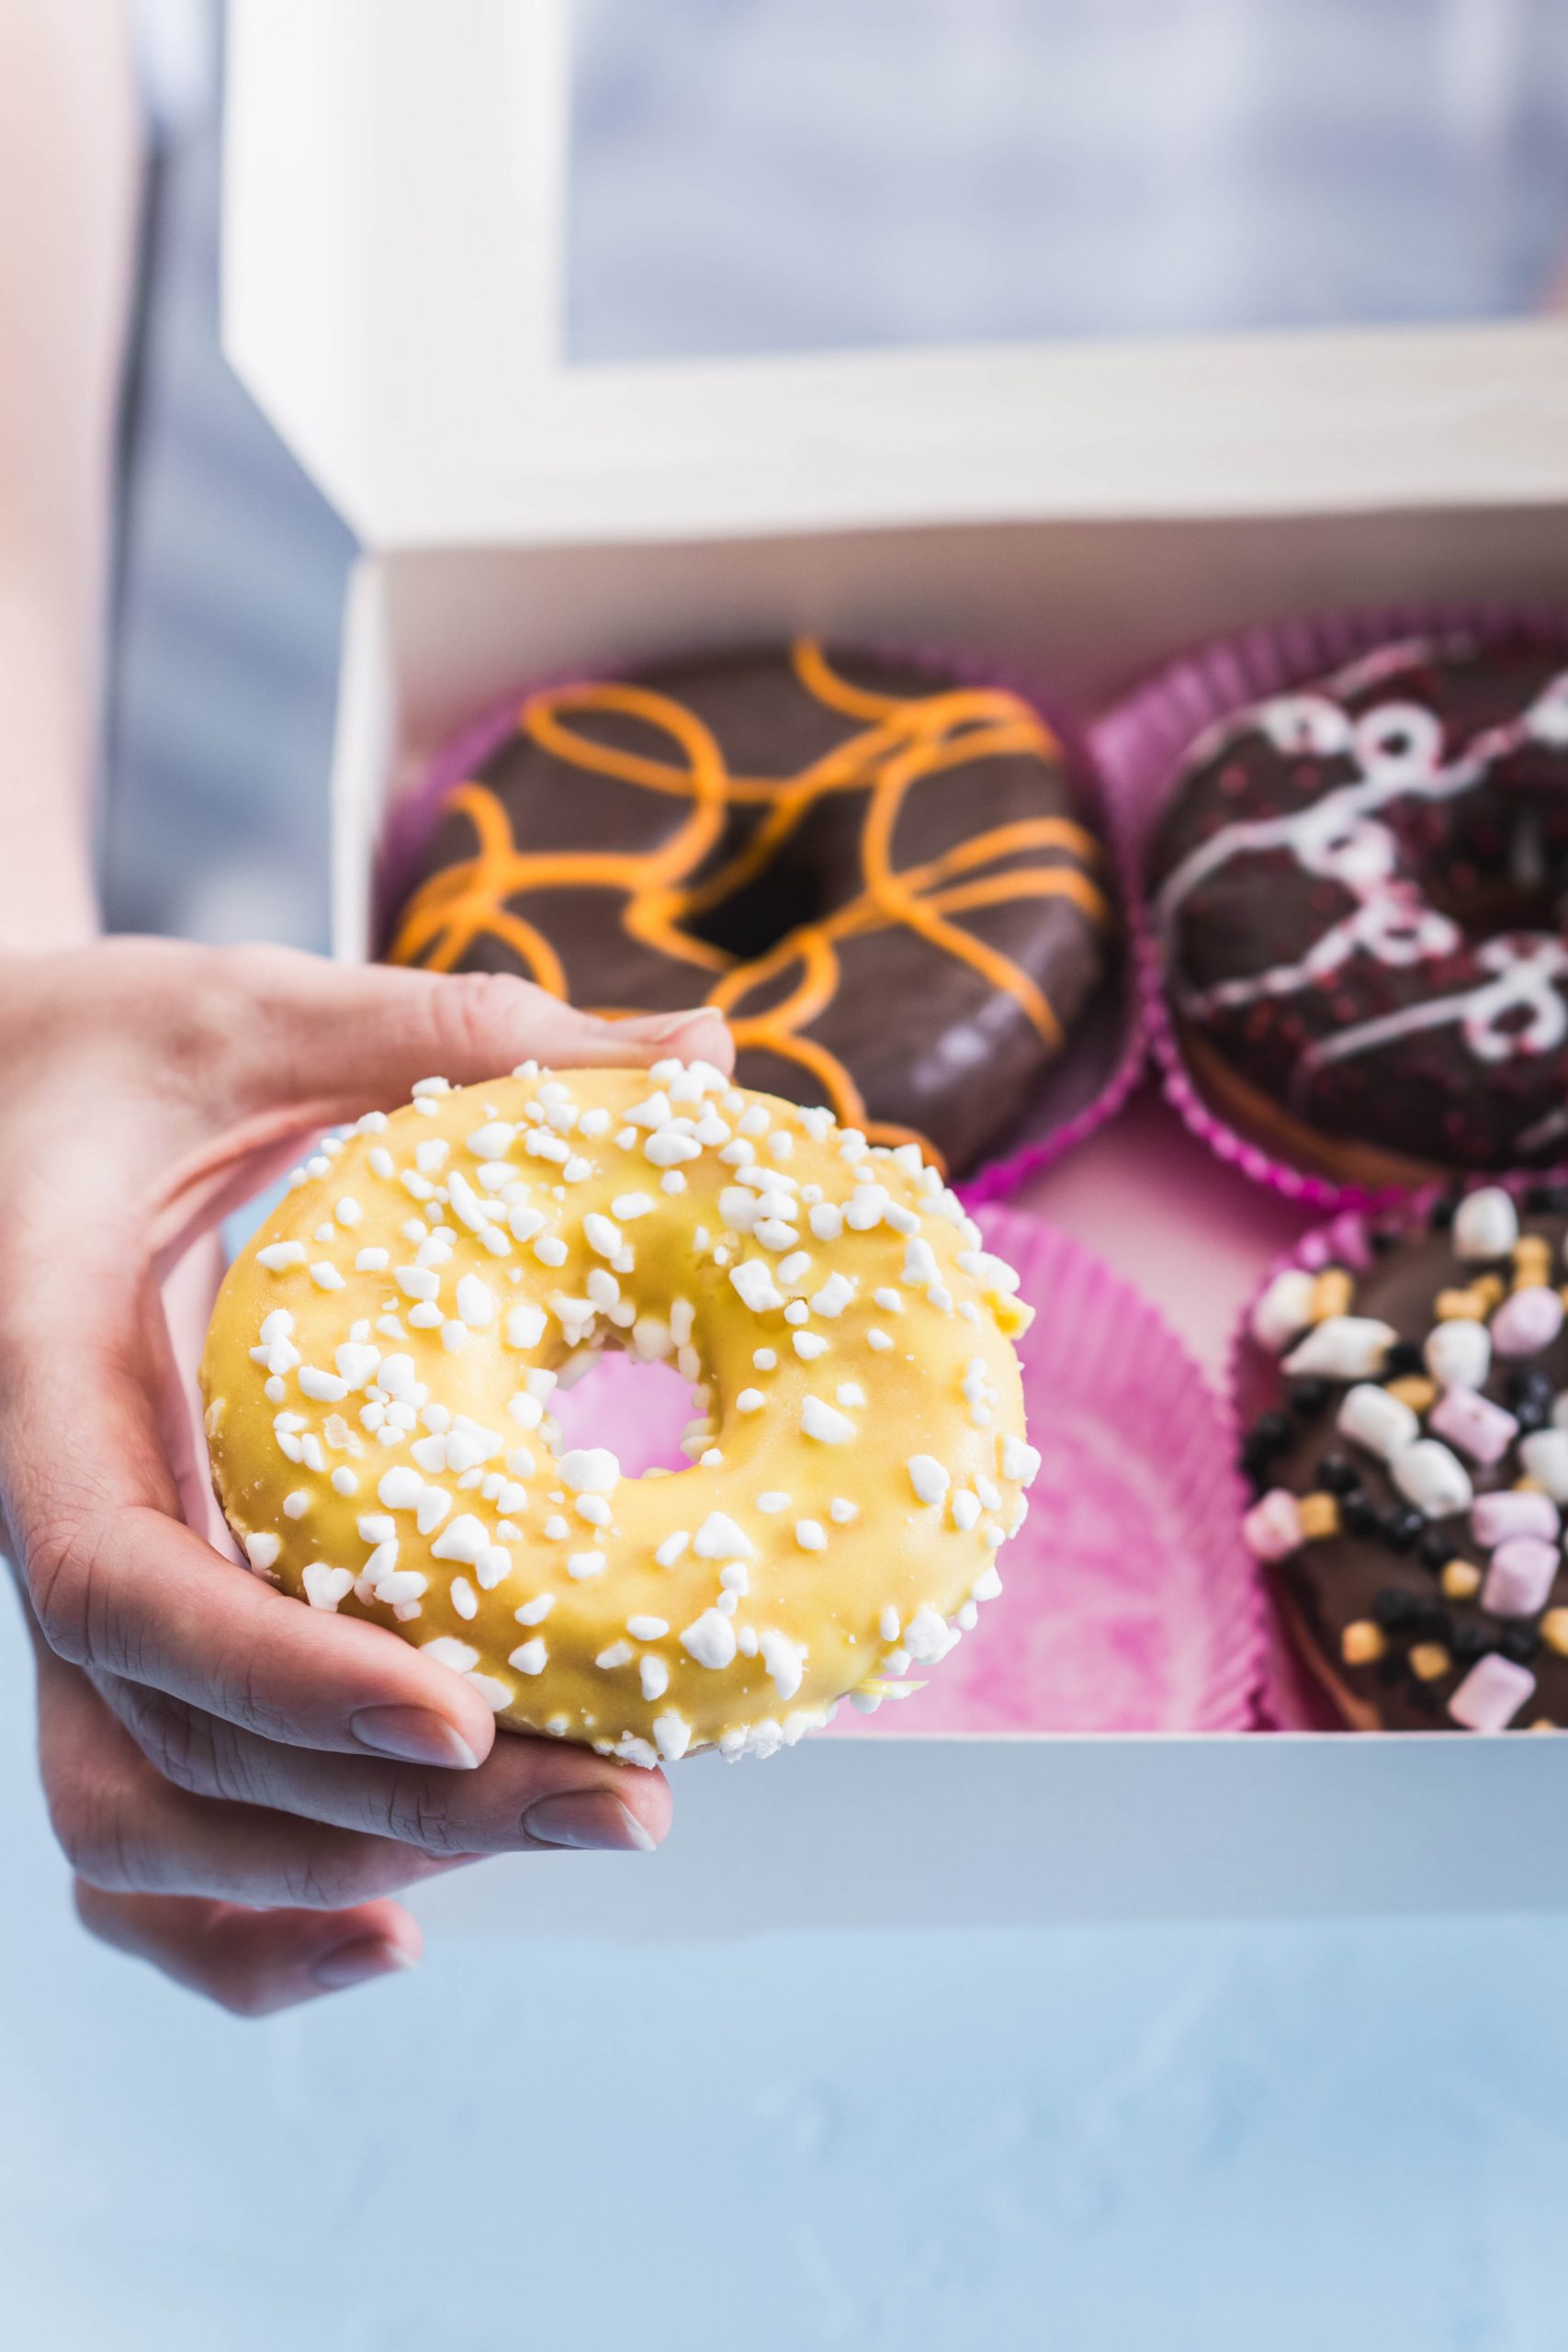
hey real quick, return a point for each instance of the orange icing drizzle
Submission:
(900, 740)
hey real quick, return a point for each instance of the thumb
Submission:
(359, 1036)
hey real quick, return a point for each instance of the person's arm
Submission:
(68, 181)
(238, 1782)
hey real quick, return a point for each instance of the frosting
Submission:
(696, 864)
(1380, 808)
(382, 1360)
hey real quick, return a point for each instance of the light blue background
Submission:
(1189, 2140)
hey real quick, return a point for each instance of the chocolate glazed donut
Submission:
(878, 873)
(1359, 892)
(1412, 1467)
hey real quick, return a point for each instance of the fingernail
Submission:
(670, 1024)
(357, 1963)
(588, 1818)
(415, 1735)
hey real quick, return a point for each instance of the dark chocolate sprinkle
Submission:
(1403, 1357)
(1337, 1476)
(1468, 1643)
(1402, 1527)
(1547, 1200)
(1309, 1397)
(1435, 1550)
(1359, 1515)
(1395, 1608)
(1520, 1643)
(1270, 1434)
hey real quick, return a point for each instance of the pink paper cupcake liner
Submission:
(1139, 745)
(1104, 1056)
(1130, 1603)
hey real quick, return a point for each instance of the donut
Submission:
(381, 1359)
(1412, 1466)
(1358, 903)
(880, 874)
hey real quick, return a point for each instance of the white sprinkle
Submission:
(590, 1470)
(851, 1394)
(929, 1479)
(673, 1733)
(279, 1255)
(324, 1587)
(773, 1503)
(785, 1661)
(525, 1324)
(628, 1207)
(965, 1509)
(476, 1302)
(454, 1654)
(655, 1678)
(262, 1552)
(718, 1538)
(584, 1565)
(834, 1296)
(710, 1639)
(808, 1345)
(535, 1611)
(672, 1548)
(324, 1386)
(878, 1342)
(927, 1636)
(887, 1624)
(667, 1149)
(820, 1421)
(765, 1358)
(753, 1281)
(811, 1535)
(529, 1657)
(492, 1566)
(750, 1400)
(493, 1141)
(464, 1540)
(618, 1654)
(400, 1488)
(1020, 1462)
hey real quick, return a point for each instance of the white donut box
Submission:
(393, 241)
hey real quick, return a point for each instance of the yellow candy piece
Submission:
(382, 1358)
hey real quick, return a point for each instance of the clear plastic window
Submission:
(766, 175)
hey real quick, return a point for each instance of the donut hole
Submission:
(639, 1410)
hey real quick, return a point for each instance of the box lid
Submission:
(395, 216)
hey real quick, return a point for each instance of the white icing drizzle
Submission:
(1397, 749)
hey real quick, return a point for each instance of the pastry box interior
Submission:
(1076, 514)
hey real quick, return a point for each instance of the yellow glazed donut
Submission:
(381, 1360)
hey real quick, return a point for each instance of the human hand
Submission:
(239, 1782)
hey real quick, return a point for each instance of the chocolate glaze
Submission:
(1489, 860)
(1335, 1581)
(933, 1046)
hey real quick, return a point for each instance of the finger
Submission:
(118, 1584)
(359, 1035)
(253, 1963)
(127, 1830)
(529, 1793)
